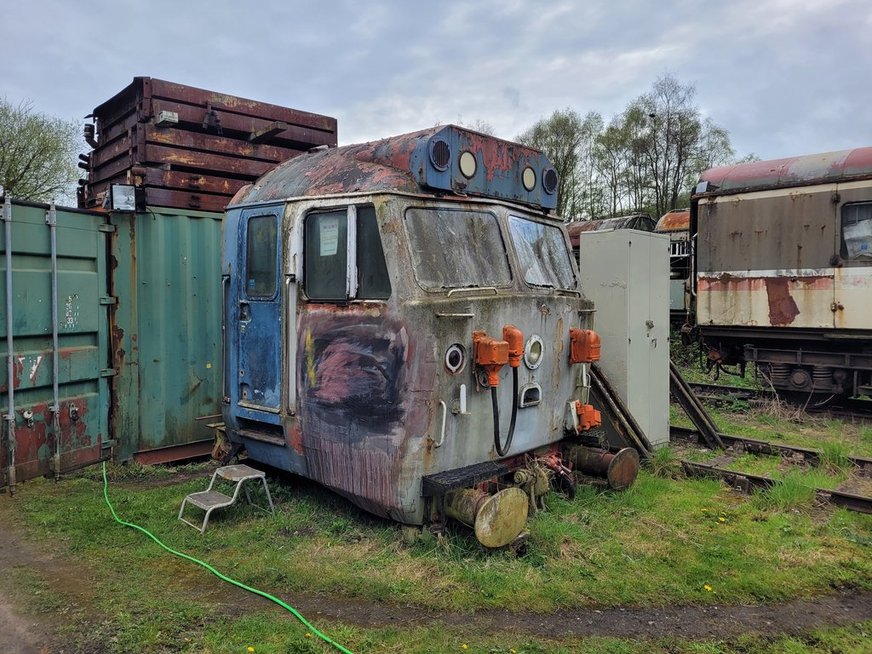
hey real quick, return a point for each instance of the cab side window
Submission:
(326, 255)
(335, 272)
(373, 282)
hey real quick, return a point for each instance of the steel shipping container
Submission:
(54, 410)
(166, 332)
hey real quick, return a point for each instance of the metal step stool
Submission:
(209, 500)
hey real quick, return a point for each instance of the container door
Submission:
(55, 411)
(260, 313)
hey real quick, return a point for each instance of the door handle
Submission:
(244, 311)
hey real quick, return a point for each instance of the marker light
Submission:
(468, 164)
(528, 178)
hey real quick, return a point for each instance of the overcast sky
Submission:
(784, 77)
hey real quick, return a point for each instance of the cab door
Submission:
(259, 313)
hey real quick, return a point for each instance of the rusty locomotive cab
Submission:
(404, 324)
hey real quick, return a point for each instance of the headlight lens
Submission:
(468, 164)
(534, 348)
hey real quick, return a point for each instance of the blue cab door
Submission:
(259, 313)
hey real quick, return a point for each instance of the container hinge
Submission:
(108, 301)
(106, 228)
(108, 372)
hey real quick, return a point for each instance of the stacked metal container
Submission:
(190, 148)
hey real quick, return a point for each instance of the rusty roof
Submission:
(404, 164)
(792, 171)
(677, 220)
(603, 224)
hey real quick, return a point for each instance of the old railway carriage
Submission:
(404, 321)
(784, 270)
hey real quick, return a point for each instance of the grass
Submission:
(661, 542)
(664, 541)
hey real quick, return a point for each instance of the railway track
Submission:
(748, 482)
(718, 393)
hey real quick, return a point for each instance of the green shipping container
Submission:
(166, 333)
(138, 323)
(55, 408)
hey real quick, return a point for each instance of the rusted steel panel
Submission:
(243, 126)
(842, 165)
(771, 230)
(217, 144)
(231, 103)
(783, 298)
(185, 200)
(677, 220)
(207, 133)
(174, 453)
(155, 178)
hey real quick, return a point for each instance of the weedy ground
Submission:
(665, 541)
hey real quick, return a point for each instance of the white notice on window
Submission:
(329, 233)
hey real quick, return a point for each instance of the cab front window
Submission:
(542, 254)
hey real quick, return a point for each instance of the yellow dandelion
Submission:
(464, 646)
(708, 587)
(308, 635)
(722, 519)
(250, 649)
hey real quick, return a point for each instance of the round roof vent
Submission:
(440, 154)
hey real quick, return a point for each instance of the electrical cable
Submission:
(502, 450)
(215, 572)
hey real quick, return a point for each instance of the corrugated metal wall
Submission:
(53, 433)
(166, 332)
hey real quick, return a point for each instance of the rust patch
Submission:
(296, 439)
(782, 306)
(674, 221)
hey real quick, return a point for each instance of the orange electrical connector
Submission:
(513, 336)
(490, 354)
(588, 417)
(584, 346)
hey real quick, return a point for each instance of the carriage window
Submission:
(857, 232)
(260, 260)
(326, 255)
(456, 249)
(542, 253)
(372, 273)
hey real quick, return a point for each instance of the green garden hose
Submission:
(223, 577)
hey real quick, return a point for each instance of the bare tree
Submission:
(37, 154)
(560, 136)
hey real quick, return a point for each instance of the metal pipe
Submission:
(51, 219)
(10, 365)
